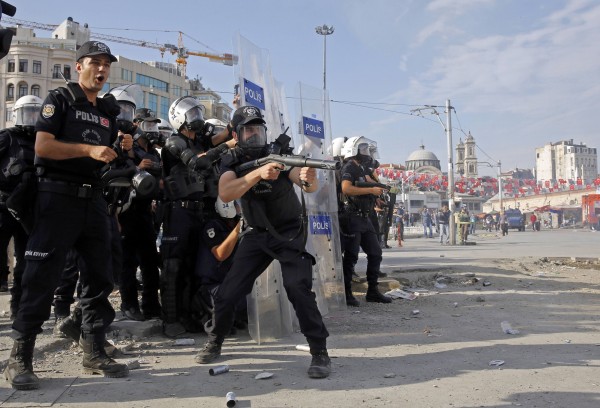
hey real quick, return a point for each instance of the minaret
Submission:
(470, 162)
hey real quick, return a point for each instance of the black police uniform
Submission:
(139, 244)
(359, 229)
(257, 249)
(187, 184)
(16, 157)
(69, 213)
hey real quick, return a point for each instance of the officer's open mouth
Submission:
(100, 78)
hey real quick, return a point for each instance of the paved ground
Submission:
(430, 352)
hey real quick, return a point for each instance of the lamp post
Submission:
(324, 30)
(500, 184)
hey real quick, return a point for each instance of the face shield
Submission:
(27, 115)
(150, 131)
(252, 136)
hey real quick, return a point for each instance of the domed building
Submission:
(423, 161)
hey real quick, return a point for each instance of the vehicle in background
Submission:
(515, 219)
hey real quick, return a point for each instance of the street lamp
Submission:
(324, 30)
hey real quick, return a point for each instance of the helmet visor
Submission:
(127, 111)
(149, 126)
(194, 115)
(252, 136)
(363, 148)
(27, 115)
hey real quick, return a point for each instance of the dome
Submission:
(422, 154)
(423, 161)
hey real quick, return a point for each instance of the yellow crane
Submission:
(182, 52)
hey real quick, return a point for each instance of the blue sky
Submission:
(519, 73)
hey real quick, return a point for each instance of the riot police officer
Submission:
(359, 204)
(74, 134)
(269, 205)
(137, 230)
(16, 160)
(190, 187)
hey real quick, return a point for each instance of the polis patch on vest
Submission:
(320, 224)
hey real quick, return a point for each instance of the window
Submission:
(176, 90)
(127, 75)
(150, 82)
(35, 90)
(164, 107)
(152, 102)
(22, 65)
(11, 65)
(8, 115)
(56, 71)
(22, 90)
(10, 92)
(37, 67)
(67, 71)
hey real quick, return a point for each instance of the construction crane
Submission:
(182, 52)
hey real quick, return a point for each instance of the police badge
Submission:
(48, 110)
(211, 233)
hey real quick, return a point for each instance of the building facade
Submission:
(34, 66)
(567, 161)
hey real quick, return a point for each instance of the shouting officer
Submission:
(16, 162)
(190, 189)
(267, 192)
(73, 141)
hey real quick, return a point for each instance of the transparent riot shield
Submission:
(270, 314)
(323, 242)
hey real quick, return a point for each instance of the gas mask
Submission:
(252, 139)
(150, 131)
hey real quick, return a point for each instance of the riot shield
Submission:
(323, 242)
(270, 314)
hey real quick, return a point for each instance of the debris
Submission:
(506, 328)
(567, 341)
(398, 293)
(440, 285)
(263, 376)
(230, 399)
(133, 364)
(302, 347)
(415, 312)
(389, 375)
(221, 369)
(455, 304)
(469, 275)
(184, 342)
(479, 299)
(487, 283)
(496, 363)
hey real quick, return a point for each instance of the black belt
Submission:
(188, 204)
(72, 189)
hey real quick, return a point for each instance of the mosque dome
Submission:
(423, 161)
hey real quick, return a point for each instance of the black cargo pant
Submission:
(250, 260)
(139, 248)
(11, 228)
(361, 234)
(75, 218)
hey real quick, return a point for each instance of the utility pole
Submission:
(452, 224)
(324, 30)
(500, 184)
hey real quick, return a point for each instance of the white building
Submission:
(566, 160)
(34, 66)
(466, 157)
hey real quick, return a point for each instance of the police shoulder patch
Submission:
(48, 110)
(210, 233)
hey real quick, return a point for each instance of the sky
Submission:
(519, 73)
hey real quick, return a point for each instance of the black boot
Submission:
(95, 359)
(320, 366)
(209, 353)
(351, 300)
(19, 371)
(71, 326)
(373, 295)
